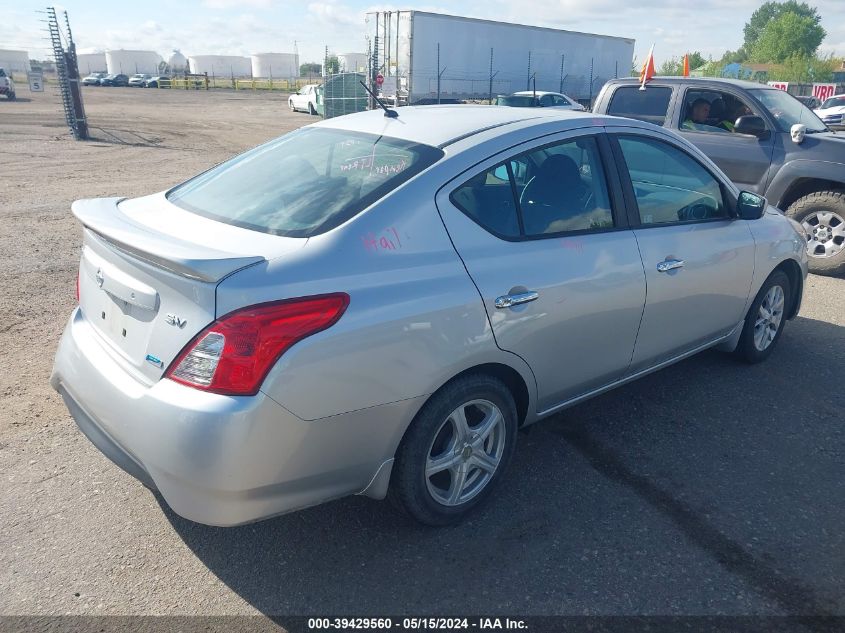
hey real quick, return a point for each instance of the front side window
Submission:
(304, 183)
(712, 111)
(650, 105)
(555, 189)
(669, 185)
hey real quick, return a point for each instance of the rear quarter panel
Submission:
(414, 320)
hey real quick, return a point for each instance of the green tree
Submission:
(310, 69)
(805, 69)
(769, 11)
(788, 35)
(332, 65)
(674, 66)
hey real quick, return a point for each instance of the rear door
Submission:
(698, 258)
(543, 234)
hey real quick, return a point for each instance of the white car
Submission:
(305, 100)
(540, 99)
(832, 112)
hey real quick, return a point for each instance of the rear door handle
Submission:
(669, 264)
(506, 301)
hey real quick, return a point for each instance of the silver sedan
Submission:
(374, 305)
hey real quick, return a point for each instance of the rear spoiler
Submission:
(102, 217)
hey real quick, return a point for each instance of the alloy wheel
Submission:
(769, 317)
(465, 452)
(825, 232)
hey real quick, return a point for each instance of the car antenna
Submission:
(390, 114)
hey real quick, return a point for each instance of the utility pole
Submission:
(562, 58)
(591, 82)
(528, 83)
(438, 73)
(492, 74)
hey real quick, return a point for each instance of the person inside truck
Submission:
(697, 114)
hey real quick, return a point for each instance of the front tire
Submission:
(822, 214)
(11, 96)
(765, 319)
(311, 109)
(455, 451)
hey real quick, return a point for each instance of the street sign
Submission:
(36, 81)
(379, 79)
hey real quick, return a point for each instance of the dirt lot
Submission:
(708, 488)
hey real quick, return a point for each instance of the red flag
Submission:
(686, 65)
(648, 68)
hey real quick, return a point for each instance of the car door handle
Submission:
(669, 264)
(506, 301)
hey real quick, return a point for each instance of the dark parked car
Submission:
(810, 101)
(161, 81)
(115, 80)
(93, 79)
(764, 139)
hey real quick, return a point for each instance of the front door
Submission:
(559, 273)
(698, 258)
(744, 158)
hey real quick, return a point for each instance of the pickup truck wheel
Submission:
(455, 451)
(822, 214)
(11, 96)
(311, 109)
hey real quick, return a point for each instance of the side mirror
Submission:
(750, 206)
(753, 125)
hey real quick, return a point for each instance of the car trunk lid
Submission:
(149, 273)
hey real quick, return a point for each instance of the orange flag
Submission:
(686, 65)
(648, 68)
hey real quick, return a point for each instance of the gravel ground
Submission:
(707, 488)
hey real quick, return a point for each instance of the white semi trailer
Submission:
(425, 56)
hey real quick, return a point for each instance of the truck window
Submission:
(650, 105)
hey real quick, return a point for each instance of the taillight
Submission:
(233, 355)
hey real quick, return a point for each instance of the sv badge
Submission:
(178, 321)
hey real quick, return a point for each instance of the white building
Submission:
(14, 61)
(353, 62)
(91, 63)
(277, 65)
(221, 65)
(130, 62)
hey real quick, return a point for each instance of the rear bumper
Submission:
(220, 460)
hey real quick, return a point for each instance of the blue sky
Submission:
(243, 27)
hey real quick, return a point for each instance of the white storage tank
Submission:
(91, 63)
(130, 62)
(353, 62)
(14, 61)
(280, 65)
(221, 65)
(177, 62)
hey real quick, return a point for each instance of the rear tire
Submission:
(311, 109)
(455, 451)
(12, 96)
(822, 214)
(765, 319)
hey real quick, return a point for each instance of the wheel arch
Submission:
(804, 186)
(792, 270)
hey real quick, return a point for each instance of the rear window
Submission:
(650, 105)
(517, 101)
(304, 183)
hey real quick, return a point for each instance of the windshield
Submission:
(833, 102)
(304, 183)
(787, 110)
(517, 101)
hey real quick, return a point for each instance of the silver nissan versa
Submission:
(375, 304)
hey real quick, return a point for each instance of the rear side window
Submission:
(650, 105)
(304, 183)
(555, 189)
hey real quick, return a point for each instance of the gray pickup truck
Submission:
(764, 139)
